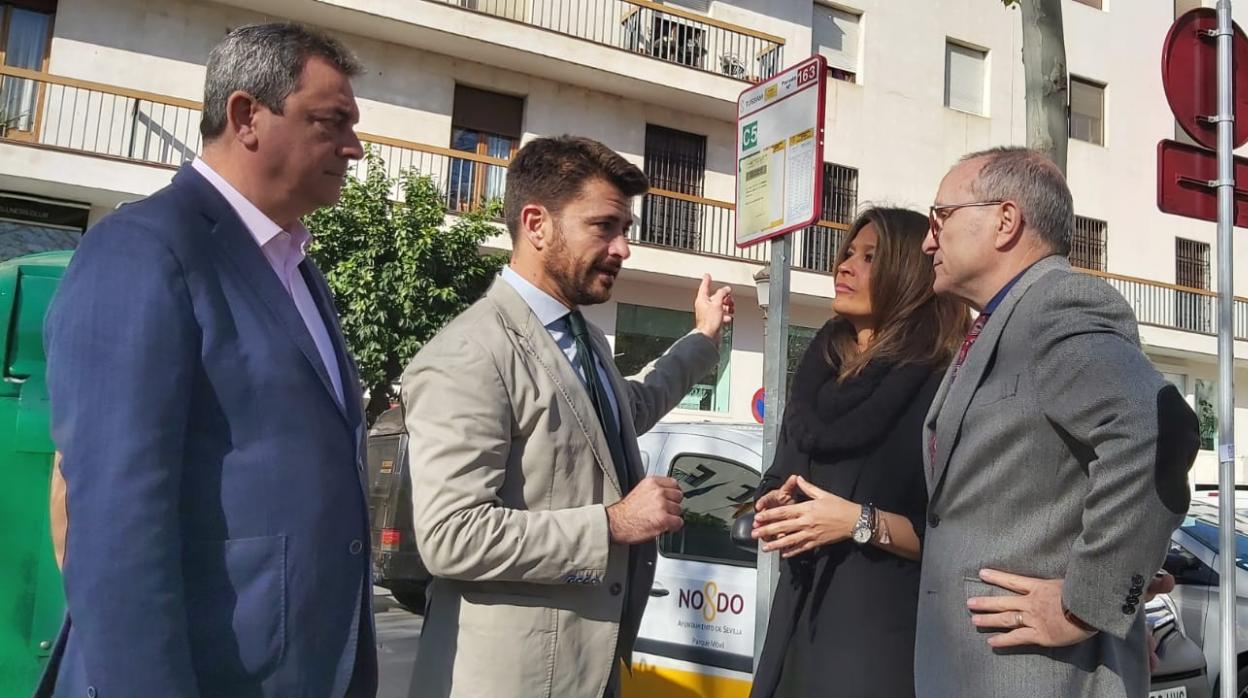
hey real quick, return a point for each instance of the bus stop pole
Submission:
(775, 390)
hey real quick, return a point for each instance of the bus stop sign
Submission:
(780, 152)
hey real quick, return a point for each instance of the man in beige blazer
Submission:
(530, 502)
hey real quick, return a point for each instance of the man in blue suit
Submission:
(209, 415)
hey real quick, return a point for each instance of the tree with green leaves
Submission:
(1046, 80)
(398, 272)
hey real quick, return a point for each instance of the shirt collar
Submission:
(996, 300)
(261, 227)
(544, 306)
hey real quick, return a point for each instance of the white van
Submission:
(697, 635)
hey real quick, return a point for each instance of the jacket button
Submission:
(1133, 599)
(933, 520)
(615, 589)
(1137, 580)
(1128, 609)
(90, 691)
(356, 547)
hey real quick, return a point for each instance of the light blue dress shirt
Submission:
(554, 317)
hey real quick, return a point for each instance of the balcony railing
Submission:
(83, 116)
(99, 120)
(708, 227)
(664, 32)
(467, 180)
(1175, 307)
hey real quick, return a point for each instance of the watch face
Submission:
(862, 534)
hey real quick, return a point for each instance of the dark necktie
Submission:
(598, 394)
(976, 328)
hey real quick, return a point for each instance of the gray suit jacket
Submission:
(1060, 452)
(511, 476)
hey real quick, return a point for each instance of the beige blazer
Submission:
(511, 476)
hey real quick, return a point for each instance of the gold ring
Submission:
(1018, 619)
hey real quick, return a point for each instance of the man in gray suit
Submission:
(530, 501)
(1057, 456)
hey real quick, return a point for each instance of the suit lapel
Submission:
(352, 407)
(929, 428)
(541, 346)
(958, 393)
(241, 249)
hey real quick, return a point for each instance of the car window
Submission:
(717, 492)
(1202, 524)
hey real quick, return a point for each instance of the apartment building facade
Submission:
(99, 103)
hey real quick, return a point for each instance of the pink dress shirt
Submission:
(285, 250)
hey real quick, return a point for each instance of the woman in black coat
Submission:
(845, 499)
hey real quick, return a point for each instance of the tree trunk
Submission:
(1044, 67)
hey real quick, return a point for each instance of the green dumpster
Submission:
(31, 598)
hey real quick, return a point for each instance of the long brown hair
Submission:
(912, 324)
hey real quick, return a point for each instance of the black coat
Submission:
(843, 616)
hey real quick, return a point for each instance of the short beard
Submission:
(560, 268)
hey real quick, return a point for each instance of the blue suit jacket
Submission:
(218, 537)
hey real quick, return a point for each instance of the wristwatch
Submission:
(864, 530)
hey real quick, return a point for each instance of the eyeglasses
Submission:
(937, 215)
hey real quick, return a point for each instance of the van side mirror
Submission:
(741, 529)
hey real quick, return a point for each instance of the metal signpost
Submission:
(779, 190)
(1200, 183)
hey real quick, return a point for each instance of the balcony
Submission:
(638, 50)
(75, 118)
(1158, 304)
(708, 227)
(664, 32)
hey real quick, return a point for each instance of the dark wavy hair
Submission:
(912, 324)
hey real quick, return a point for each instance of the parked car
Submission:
(1209, 493)
(1193, 560)
(698, 630)
(1180, 671)
(396, 563)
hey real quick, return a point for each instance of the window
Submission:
(717, 492)
(30, 224)
(1207, 412)
(1193, 311)
(1202, 524)
(819, 243)
(836, 36)
(675, 161)
(1090, 3)
(1087, 246)
(799, 340)
(1087, 111)
(25, 40)
(964, 78)
(486, 124)
(643, 333)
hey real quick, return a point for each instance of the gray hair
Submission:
(265, 61)
(1030, 179)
